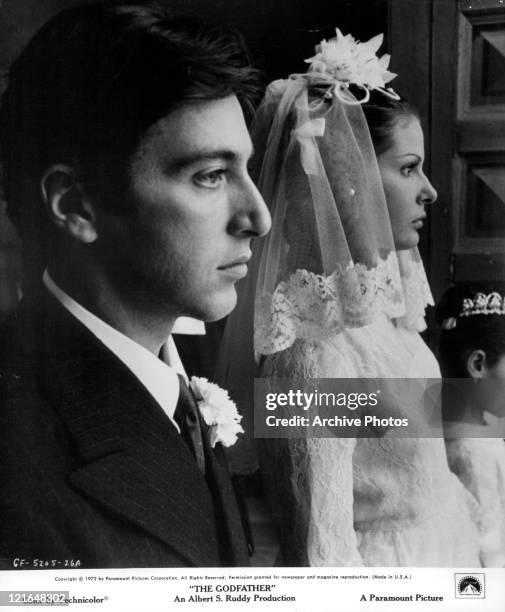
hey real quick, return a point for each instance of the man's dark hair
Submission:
(89, 84)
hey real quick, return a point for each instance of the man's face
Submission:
(194, 212)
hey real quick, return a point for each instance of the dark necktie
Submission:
(188, 419)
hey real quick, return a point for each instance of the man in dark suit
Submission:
(125, 153)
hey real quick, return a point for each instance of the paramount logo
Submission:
(470, 586)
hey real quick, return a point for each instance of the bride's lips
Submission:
(418, 223)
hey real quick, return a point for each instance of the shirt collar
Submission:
(189, 327)
(158, 377)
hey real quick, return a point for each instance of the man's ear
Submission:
(67, 205)
(476, 364)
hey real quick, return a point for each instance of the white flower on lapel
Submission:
(218, 411)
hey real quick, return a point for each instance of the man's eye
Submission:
(210, 179)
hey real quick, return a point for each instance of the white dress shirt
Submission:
(157, 376)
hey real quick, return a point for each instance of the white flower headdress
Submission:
(346, 61)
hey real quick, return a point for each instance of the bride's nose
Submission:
(428, 193)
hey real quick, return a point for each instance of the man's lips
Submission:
(240, 261)
(235, 269)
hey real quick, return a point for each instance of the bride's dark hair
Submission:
(382, 114)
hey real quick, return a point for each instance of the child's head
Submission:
(472, 322)
(472, 337)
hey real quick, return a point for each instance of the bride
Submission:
(339, 291)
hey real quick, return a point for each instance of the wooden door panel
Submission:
(478, 198)
(468, 141)
(481, 61)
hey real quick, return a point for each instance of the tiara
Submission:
(344, 61)
(482, 304)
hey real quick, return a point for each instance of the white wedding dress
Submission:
(367, 501)
(479, 462)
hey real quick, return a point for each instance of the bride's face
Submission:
(406, 187)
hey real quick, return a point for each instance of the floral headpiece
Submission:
(345, 61)
(482, 304)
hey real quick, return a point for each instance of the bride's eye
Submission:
(408, 169)
(210, 179)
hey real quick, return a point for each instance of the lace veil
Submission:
(329, 262)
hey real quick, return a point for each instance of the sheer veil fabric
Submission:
(328, 296)
(329, 262)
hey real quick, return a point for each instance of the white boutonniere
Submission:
(218, 411)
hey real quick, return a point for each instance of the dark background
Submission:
(444, 52)
(279, 33)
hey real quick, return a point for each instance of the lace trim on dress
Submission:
(417, 295)
(311, 306)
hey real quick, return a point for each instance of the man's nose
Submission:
(252, 217)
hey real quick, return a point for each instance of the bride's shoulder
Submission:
(380, 349)
(347, 354)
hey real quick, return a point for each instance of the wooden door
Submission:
(479, 143)
(455, 51)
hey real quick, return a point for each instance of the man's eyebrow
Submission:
(183, 161)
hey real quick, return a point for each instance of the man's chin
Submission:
(217, 309)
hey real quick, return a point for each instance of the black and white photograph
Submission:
(252, 304)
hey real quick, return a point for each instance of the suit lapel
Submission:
(233, 545)
(132, 459)
(234, 549)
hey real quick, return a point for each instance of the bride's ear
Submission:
(67, 205)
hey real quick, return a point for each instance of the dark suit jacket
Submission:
(91, 469)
